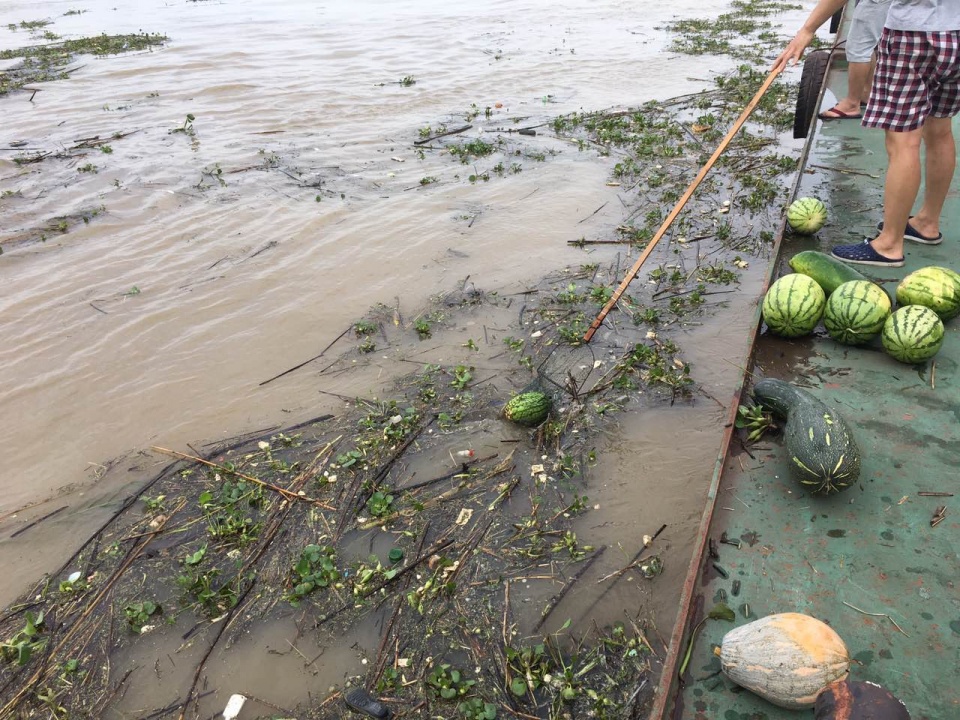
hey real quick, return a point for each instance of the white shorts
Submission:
(866, 26)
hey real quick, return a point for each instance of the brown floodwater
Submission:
(218, 259)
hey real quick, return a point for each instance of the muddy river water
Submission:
(215, 259)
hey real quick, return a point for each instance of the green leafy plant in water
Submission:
(568, 542)
(187, 127)
(203, 591)
(572, 331)
(26, 641)
(138, 614)
(448, 683)
(477, 709)
(570, 296)
(422, 326)
(601, 294)
(75, 583)
(436, 585)
(364, 327)
(371, 574)
(462, 375)
(514, 344)
(380, 504)
(315, 569)
(227, 510)
(530, 666)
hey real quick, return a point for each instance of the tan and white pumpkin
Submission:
(786, 658)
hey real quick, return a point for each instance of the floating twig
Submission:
(443, 134)
(593, 213)
(555, 600)
(636, 558)
(38, 521)
(306, 362)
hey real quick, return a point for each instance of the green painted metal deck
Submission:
(867, 561)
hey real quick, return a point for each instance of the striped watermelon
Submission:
(806, 215)
(793, 305)
(952, 273)
(932, 287)
(855, 312)
(912, 334)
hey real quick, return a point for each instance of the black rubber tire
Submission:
(835, 21)
(811, 80)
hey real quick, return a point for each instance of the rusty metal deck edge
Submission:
(668, 676)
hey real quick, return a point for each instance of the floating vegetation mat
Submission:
(334, 526)
(50, 61)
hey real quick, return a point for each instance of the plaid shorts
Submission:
(917, 76)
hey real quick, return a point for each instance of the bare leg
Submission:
(941, 161)
(858, 76)
(900, 189)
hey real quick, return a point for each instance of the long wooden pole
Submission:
(751, 106)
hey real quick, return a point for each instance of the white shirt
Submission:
(924, 15)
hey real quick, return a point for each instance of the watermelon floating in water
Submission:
(856, 311)
(793, 305)
(529, 408)
(806, 215)
(932, 287)
(913, 334)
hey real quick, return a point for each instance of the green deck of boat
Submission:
(871, 547)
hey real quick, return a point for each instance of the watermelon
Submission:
(529, 408)
(931, 287)
(855, 312)
(912, 334)
(952, 273)
(793, 305)
(806, 215)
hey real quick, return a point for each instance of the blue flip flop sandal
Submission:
(864, 254)
(912, 234)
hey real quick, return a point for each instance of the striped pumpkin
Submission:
(932, 287)
(913, 334)
(793, 305)
(855, 312)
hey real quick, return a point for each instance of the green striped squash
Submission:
(793, 305)
(932, 287)
(913, 334)
(855, 312)
(824, 457)
(806, 215)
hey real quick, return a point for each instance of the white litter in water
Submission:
(234, 705)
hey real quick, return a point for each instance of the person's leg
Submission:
(858, 74)
(900, 189)
(941, 161)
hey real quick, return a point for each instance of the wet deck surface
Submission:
(866, 561)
